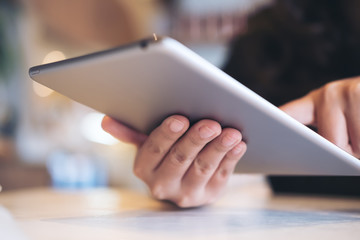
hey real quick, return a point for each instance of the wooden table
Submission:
(247, 211)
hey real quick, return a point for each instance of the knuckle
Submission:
(153, 148)
(194, 140)
(352, 92)
(329, 92)
(357, 88)
(184, 202)
(165, 134)
(138, 171)
(158, 191)
(220, 148)
(190, 198)
(177, 156)
(224, 173)
(203, 167)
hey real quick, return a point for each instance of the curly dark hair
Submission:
(294, 46)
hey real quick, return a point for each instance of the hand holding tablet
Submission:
(161, 88)
(186, 165)
(142, 84)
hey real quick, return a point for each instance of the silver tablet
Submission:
(142, 83)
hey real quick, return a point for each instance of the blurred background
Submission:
(49, 140)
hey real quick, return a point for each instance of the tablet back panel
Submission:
(142, 84)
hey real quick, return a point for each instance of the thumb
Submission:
(302, 109)
(122, 132)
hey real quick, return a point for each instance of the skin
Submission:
(190, 166)
(334, 110)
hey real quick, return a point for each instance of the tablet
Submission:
(143, 83)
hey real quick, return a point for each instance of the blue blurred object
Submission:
(70, 170)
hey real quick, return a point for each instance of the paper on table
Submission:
(8, 227)
(211, 222)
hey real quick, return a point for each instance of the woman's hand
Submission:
(334, 110)
(186, 165)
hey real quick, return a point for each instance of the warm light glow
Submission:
(52, 56)
(92, 131)
(41, 90)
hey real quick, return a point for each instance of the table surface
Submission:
(247, 211)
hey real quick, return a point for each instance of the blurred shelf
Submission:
(14, 175)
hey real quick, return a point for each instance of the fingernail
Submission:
(229, 139)
(205, 132)
(176, 125)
